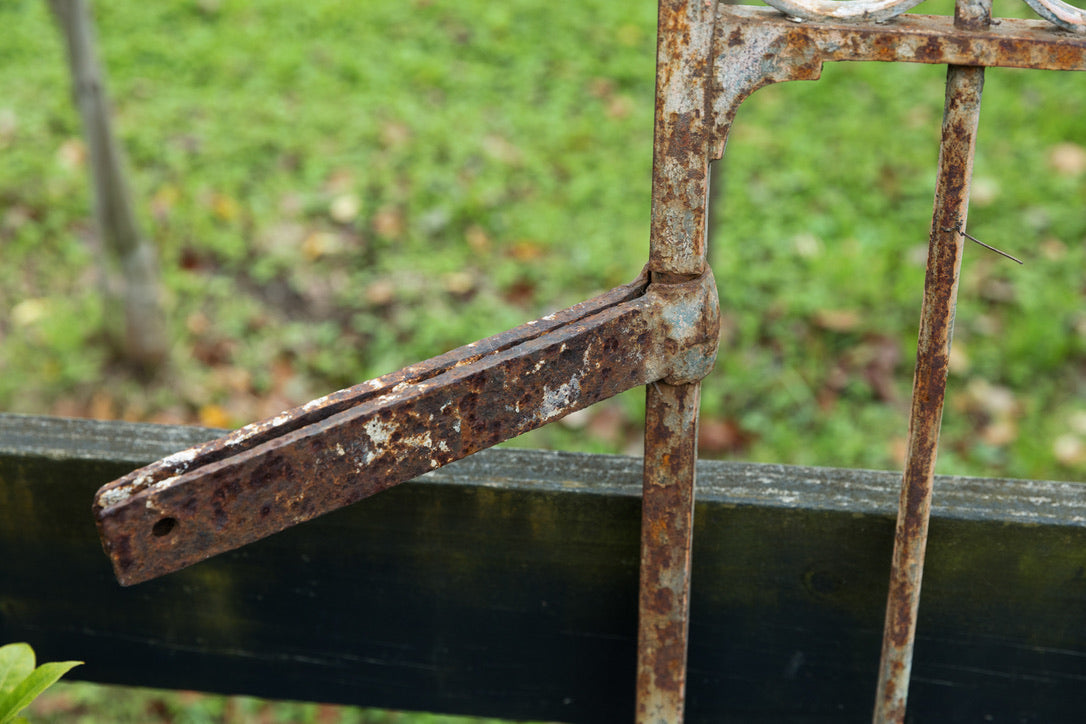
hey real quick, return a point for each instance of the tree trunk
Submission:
(129, 265)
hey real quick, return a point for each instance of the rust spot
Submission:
(120, 551)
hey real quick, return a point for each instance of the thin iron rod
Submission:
(960, 120)
(667, 524)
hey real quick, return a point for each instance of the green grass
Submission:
(337, 190)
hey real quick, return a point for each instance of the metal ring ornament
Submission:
(847, 10)
(1060, 14)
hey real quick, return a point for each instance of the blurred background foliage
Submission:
(339, 189)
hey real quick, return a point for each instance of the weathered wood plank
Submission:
(506, 585)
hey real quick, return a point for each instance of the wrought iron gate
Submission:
(660, 331)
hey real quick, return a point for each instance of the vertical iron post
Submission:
(960, 119)
(680, 191)
(667, 523)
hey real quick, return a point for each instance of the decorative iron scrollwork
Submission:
(844, 10)
(1061, 14)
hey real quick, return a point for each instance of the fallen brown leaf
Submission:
(72, 154)
(1067, 159)
(477, 238)
(344, 208)
(606, 423)
(838, 320)
(520, 293)
(1070, 450)
(339, 181)
(380, 293)
(527, 250)
(389, 222)
(717, 436)
(214, 416)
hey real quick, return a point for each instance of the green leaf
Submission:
(14, 701)
(16, 663)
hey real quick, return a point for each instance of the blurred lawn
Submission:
(339, 189)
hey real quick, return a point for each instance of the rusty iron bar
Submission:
(677, 251)
(339, 449)
(667, 524)
(680, 163)
(961, 117)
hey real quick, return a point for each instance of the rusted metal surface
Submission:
(755, 47)
(350, 445)
(667, 526)
(680, 163)
(961, 117)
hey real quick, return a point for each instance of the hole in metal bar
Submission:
(163, 527)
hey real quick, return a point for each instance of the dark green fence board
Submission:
(505, 585)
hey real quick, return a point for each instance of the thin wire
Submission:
(969, 236)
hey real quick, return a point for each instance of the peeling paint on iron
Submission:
(165, 483)
(555, 402)
(179, 460)
(378, 432)
(313, 404)
(114, 497)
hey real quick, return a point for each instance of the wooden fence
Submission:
(506, 585)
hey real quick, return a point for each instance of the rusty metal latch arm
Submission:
(349, 445)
